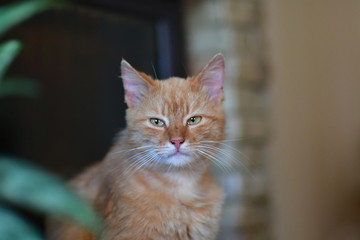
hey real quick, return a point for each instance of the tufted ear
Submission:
(136, 84)
(211, 77)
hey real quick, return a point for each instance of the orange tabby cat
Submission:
(155, 181)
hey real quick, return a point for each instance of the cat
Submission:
(155, 181)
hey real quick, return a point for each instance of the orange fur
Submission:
(157, 195)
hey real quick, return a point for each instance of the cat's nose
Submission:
(177, 142)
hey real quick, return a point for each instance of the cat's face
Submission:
(174, 121)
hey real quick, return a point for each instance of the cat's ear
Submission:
(136, 84)
(211, 77)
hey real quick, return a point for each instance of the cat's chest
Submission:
(195, 220)
(182, 211)
(163, 218)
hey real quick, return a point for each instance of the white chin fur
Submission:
(178, 160)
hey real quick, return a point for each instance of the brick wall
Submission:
(233, 27)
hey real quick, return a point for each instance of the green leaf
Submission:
(12, 227)
(27, 186)
(8, 51)
(13, 14)
(19, 87)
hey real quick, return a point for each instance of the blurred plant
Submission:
(11, 15)
(29, 187)
(20, 183)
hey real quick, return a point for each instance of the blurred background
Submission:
(292, 99)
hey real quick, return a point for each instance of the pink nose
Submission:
(177, 142)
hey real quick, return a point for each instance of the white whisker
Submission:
(233, 160)
(225, 140)
(231, 156)
(137, 159)
(215, 160)
(130, 150)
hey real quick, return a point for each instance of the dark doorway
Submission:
(74, 54)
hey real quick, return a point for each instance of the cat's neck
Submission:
(182, 185)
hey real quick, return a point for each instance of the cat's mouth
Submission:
(179, 154)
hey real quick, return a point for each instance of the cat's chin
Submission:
(179, 159)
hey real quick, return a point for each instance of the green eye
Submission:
(194, 120)
(157, 122)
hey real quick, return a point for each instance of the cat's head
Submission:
(175, 121)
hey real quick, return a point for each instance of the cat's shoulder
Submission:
(88, 182)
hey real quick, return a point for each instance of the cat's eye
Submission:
(194, 120)
(157, 122)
